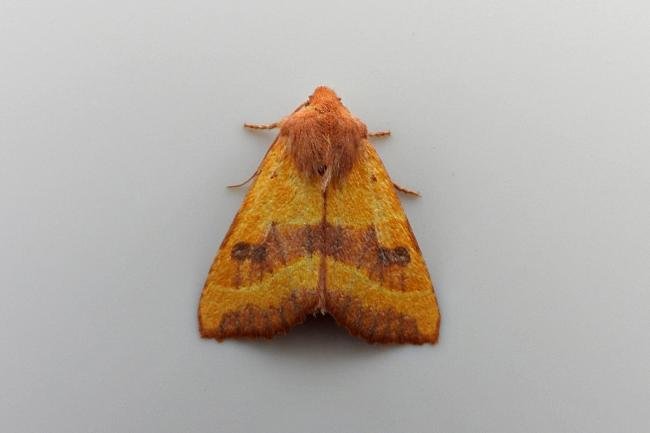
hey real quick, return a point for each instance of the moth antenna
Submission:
(246, 181)
(304, 104)
(379, 133)
(262, 125)
(406, 190)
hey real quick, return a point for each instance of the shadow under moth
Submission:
(320, 230)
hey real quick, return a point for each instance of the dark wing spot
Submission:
(240, 251)
(258, 253)
(384, 255)
(401, 256)
(373, 178)
(393, 256)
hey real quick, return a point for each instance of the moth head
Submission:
(324, 99)
(324, 137)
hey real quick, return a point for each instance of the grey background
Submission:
(525, 125)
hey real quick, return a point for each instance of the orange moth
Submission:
(320, 230)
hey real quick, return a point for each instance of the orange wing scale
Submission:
(261, 283)
(384, 294)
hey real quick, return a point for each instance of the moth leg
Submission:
(262, 125)
(406, 190)
(379, 134)
(246, 181)
(256, 126)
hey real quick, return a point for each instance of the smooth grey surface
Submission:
(525, 125)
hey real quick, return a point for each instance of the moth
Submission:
(320, 230)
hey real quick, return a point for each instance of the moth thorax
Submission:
(326, 150)
(325, 156)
